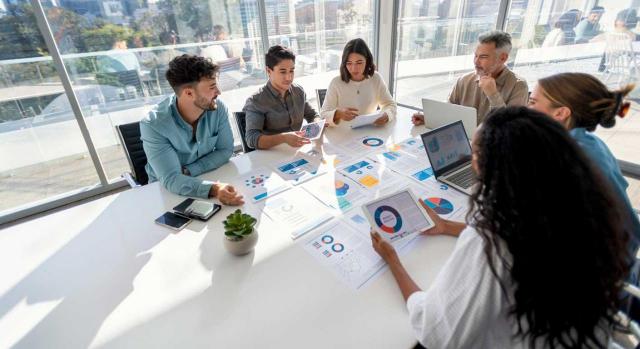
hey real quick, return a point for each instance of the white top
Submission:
(465, 306)
(554, 38)
(366, 96)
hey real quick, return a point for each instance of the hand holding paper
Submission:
(366, 119)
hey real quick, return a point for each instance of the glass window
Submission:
(317, 31)
(42, 150)
(634, 192)
(117, 53)
(436, 42)
(567, 36)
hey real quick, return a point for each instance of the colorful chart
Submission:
(440, 205)
(369, 181)
(357, 166)
(424, 174)
(337, 247)
(385, 215)
(391, 155)
(311, 130)
(256, 181)
(328, 240)
(372, 142)
(293, 167)
(341, 188)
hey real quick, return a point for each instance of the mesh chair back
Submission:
(241, 122)
(320, 94)
(130, 138)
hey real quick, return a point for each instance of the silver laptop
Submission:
(449, 152)
(438, 114)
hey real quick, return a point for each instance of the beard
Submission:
(489, 71)
(206, 104)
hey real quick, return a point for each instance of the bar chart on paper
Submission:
(299, 169)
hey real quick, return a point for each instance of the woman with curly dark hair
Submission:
(542, 261)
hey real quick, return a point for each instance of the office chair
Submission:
(241, 123)
(129, 135)
(320, 94)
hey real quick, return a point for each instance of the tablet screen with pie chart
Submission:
(397, 216)
(313, 130)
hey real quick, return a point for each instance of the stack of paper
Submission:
(296, 212)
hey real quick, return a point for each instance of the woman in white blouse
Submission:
(359, 90)
(542, 261)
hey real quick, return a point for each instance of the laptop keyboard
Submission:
(464, 178)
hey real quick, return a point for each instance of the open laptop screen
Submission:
(447, 147)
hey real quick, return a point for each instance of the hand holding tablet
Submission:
(397, 216)
(313, 130)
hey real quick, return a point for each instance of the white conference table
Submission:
(103, 274)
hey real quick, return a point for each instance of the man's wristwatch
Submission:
(185, 171)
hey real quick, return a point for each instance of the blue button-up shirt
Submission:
(169, 143)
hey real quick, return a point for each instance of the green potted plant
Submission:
(240, 236)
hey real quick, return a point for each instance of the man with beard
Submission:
(188, 133)
(492, 85)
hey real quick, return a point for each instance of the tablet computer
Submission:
(397, 216)
(313, 130)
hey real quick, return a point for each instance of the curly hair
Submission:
(541, 200)
(590, 101)
(189, 69)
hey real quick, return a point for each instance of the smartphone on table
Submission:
(173, 221)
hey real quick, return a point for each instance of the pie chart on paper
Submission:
(440, 205)
(341, 188)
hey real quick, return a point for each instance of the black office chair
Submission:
(129, 135)
(320, 94)
(241, 122)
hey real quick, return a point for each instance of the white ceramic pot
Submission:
(243, 246)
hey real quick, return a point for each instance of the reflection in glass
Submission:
(436, 41)
(43, 153)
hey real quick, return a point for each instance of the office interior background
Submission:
(71, 70)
